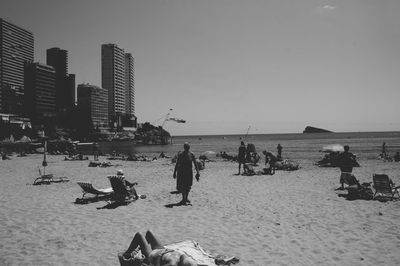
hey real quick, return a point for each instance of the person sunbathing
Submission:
(155, 253)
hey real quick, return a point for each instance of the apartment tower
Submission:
(40, 93)
(117, 71)
(65, 84)
(129, 84)
(16, 49)
(93, 105)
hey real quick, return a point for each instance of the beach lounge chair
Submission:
(193, 250)
(121, 192)
(384, 186)
(47, 179)
(98, 194)
(88, 188)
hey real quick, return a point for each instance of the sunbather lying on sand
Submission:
(155, 253)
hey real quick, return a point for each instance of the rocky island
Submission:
(309, 129)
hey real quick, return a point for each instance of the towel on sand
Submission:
(196, 252)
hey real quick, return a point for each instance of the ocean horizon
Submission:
(295, 145)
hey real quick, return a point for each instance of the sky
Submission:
(275, 66)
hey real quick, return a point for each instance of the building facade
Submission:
(93, 105)
(40, 93)
(65, 84)
(113, 78)
(16, 49)
(129, 84)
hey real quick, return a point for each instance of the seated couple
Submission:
(155, 253)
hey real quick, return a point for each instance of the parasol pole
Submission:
(44, 163)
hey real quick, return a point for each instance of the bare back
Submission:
(169, 257)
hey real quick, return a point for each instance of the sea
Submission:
(366, 145)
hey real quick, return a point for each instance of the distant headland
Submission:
(309, 129)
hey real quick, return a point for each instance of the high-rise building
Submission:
(113, 78)
(40, 93)
(16, 49)
(65, 84)
(129, 84)
(93, 105)
(71, 95)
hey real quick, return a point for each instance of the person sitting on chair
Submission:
(155, 253)
(129, 186)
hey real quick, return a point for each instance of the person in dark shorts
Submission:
(241, 155)
(155, 253)
(346, 163)
(183, 173)
(279, 148)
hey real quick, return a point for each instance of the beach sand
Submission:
(290, 218)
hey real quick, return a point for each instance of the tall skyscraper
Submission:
(117, 71)
(65, 84)
(93, 105)
(16, 49)
(40, 94)
(129, 84)
(113, 77)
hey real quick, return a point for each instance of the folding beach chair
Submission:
(384, 186)
(88, 188)
(121, 193)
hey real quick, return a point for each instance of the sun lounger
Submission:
(193, 250)
(97, 194)
(88, 188)
(48, 179)
(384, 186)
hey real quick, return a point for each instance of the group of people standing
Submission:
(270, 159)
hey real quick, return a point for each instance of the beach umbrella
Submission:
(333, 148)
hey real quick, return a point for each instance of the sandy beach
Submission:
(290, 218)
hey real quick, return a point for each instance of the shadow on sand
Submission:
(171, 205)
(115, 204)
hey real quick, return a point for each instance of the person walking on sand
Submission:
(95, 151)
(279, 148)
(183, 173)
(384, 155)
(346, 163)
(241, 155)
